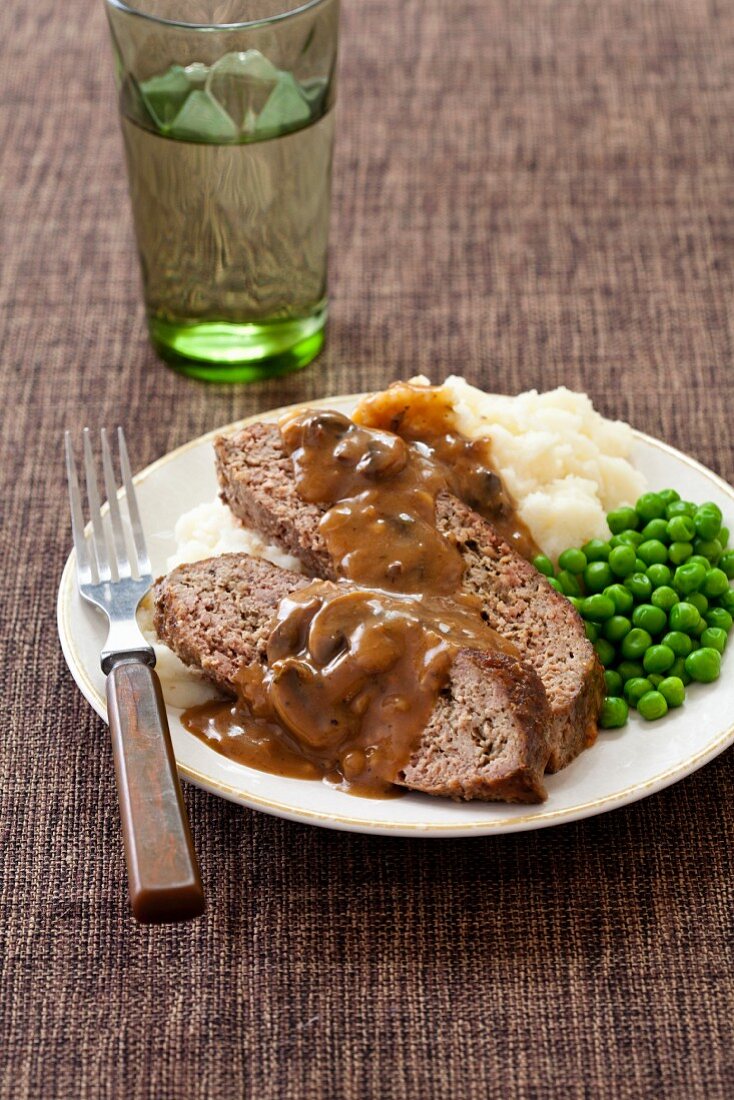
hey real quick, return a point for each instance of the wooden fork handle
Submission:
(163, 874)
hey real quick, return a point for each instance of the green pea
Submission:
(723, 537)
(622, 561)
(592, 631)
(635, 688)
(668, 496)
(597, 576)
(726, 563)
(597, 608)
(688, 578)
(630, 670)
(655, 678)
(679, 670)
(635, 644)
(616, 628)
(708, 521)
(681, 529)
(713, 637)
(699, 601)
(614, 713)
(574, 561)
(652, 551)
(605, 651)
(699, 559)
(640, 585)
(709, 548)
(658, 658)
(622, 519)
(704, 665)
(569, 585)
(613, 681)
(576, 602)
(656, 529)
(621, 597)
(679, 642)
(652, 706)
(684, 617)
(673, 691)
(596, 550)
(664, 597)
(659, 574)
(650, 618)
(726, 600)
(718, 617)
(680, 508)
(678, 552)
(627, 538)
(715, 583)
(650, 506)
(544, 565)
(555, 584)
(640, 566)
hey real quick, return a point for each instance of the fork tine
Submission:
(132, 506)
(123, 564)
(98, 542)
(83, 567)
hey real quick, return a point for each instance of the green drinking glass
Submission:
(227, 111)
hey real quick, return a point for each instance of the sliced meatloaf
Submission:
(256, 481)
(485, 738)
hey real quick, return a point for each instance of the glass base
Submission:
(223, 351)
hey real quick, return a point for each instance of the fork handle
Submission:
(163, 874)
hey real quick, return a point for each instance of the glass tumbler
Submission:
(227, 112)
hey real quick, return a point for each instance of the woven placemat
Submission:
(527, 194)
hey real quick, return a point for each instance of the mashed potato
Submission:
(210, 529)
(565, 465)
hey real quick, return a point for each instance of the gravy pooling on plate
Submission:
(353, 673)
(350, 682)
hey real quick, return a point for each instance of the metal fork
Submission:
(162, 870)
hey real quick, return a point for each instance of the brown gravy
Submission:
(351, 679)
(380, 528)
(353, 673)
(422, 414)
(231, 729)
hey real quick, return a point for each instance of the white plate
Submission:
(623, 766)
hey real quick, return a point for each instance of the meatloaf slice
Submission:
(256, 481)
(485, 738)
(546, 628)
(216, 614)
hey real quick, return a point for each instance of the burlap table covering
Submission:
(528, 194)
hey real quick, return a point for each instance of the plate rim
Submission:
(535, 820)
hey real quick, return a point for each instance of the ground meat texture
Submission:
(256, 481)
(485, 738)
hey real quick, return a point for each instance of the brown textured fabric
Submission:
(528, 193)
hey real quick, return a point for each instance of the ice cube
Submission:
(315, 92)
(196, 74)
(202, 119)
(241, 83)
(286, 109)
(165, 95)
